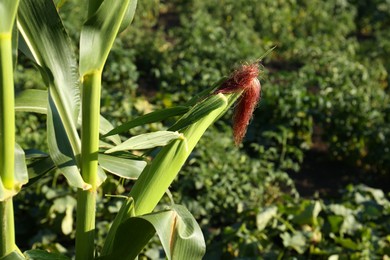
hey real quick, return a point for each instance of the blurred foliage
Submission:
(310, 229)
(325, 87)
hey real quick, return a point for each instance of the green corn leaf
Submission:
(105, 127)
(48, 43)
(61, 150)
(156, 116)
(99, 32)
(20, 175)
(127, 211)
(177, 229)
(157, 176)
(124, 168)
(105, 145)
(35, 100)
(129, 15)
(8, 9)
(101, 174)
(197, 112)
(45, 36)
(38, 169)
(35, 154)
(32, 100)
(23, 47)
(146, 141)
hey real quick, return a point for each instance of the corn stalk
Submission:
(7, 127)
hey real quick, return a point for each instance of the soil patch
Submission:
(321, 176)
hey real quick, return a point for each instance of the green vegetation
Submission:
(325, 89)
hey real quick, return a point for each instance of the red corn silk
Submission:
(243, 79)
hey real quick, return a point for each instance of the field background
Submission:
(311, 179)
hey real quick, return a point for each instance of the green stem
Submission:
(86, 208)
(85, 226)
(7, 232)
(7, 143)
(7, 114)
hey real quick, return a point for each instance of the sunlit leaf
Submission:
(263, 218)
(21, 175)
(158, 176)
(297, 241)
(146, 141)
(125, 168)
(45, 36)
(197, 112)
(61, 150)
(177, 229)
(32, 100)
(129, 15)
(105, 127)
(156, 116)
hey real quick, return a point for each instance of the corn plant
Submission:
(13, 171)
(71, 104)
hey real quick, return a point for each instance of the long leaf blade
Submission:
(124, 168)
(61, 150)
(197, 112)
(149, 118)
(32, 100)
(146, 141)
(177, 229)
(44, 34)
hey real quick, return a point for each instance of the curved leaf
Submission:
(129, 15)
(61, 150)
(32, 100)
(44, 34)
(158, 176)
(146, 141)
(177, 229)
(124, 168)
(105, 127)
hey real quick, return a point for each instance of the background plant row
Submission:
(325, 88)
